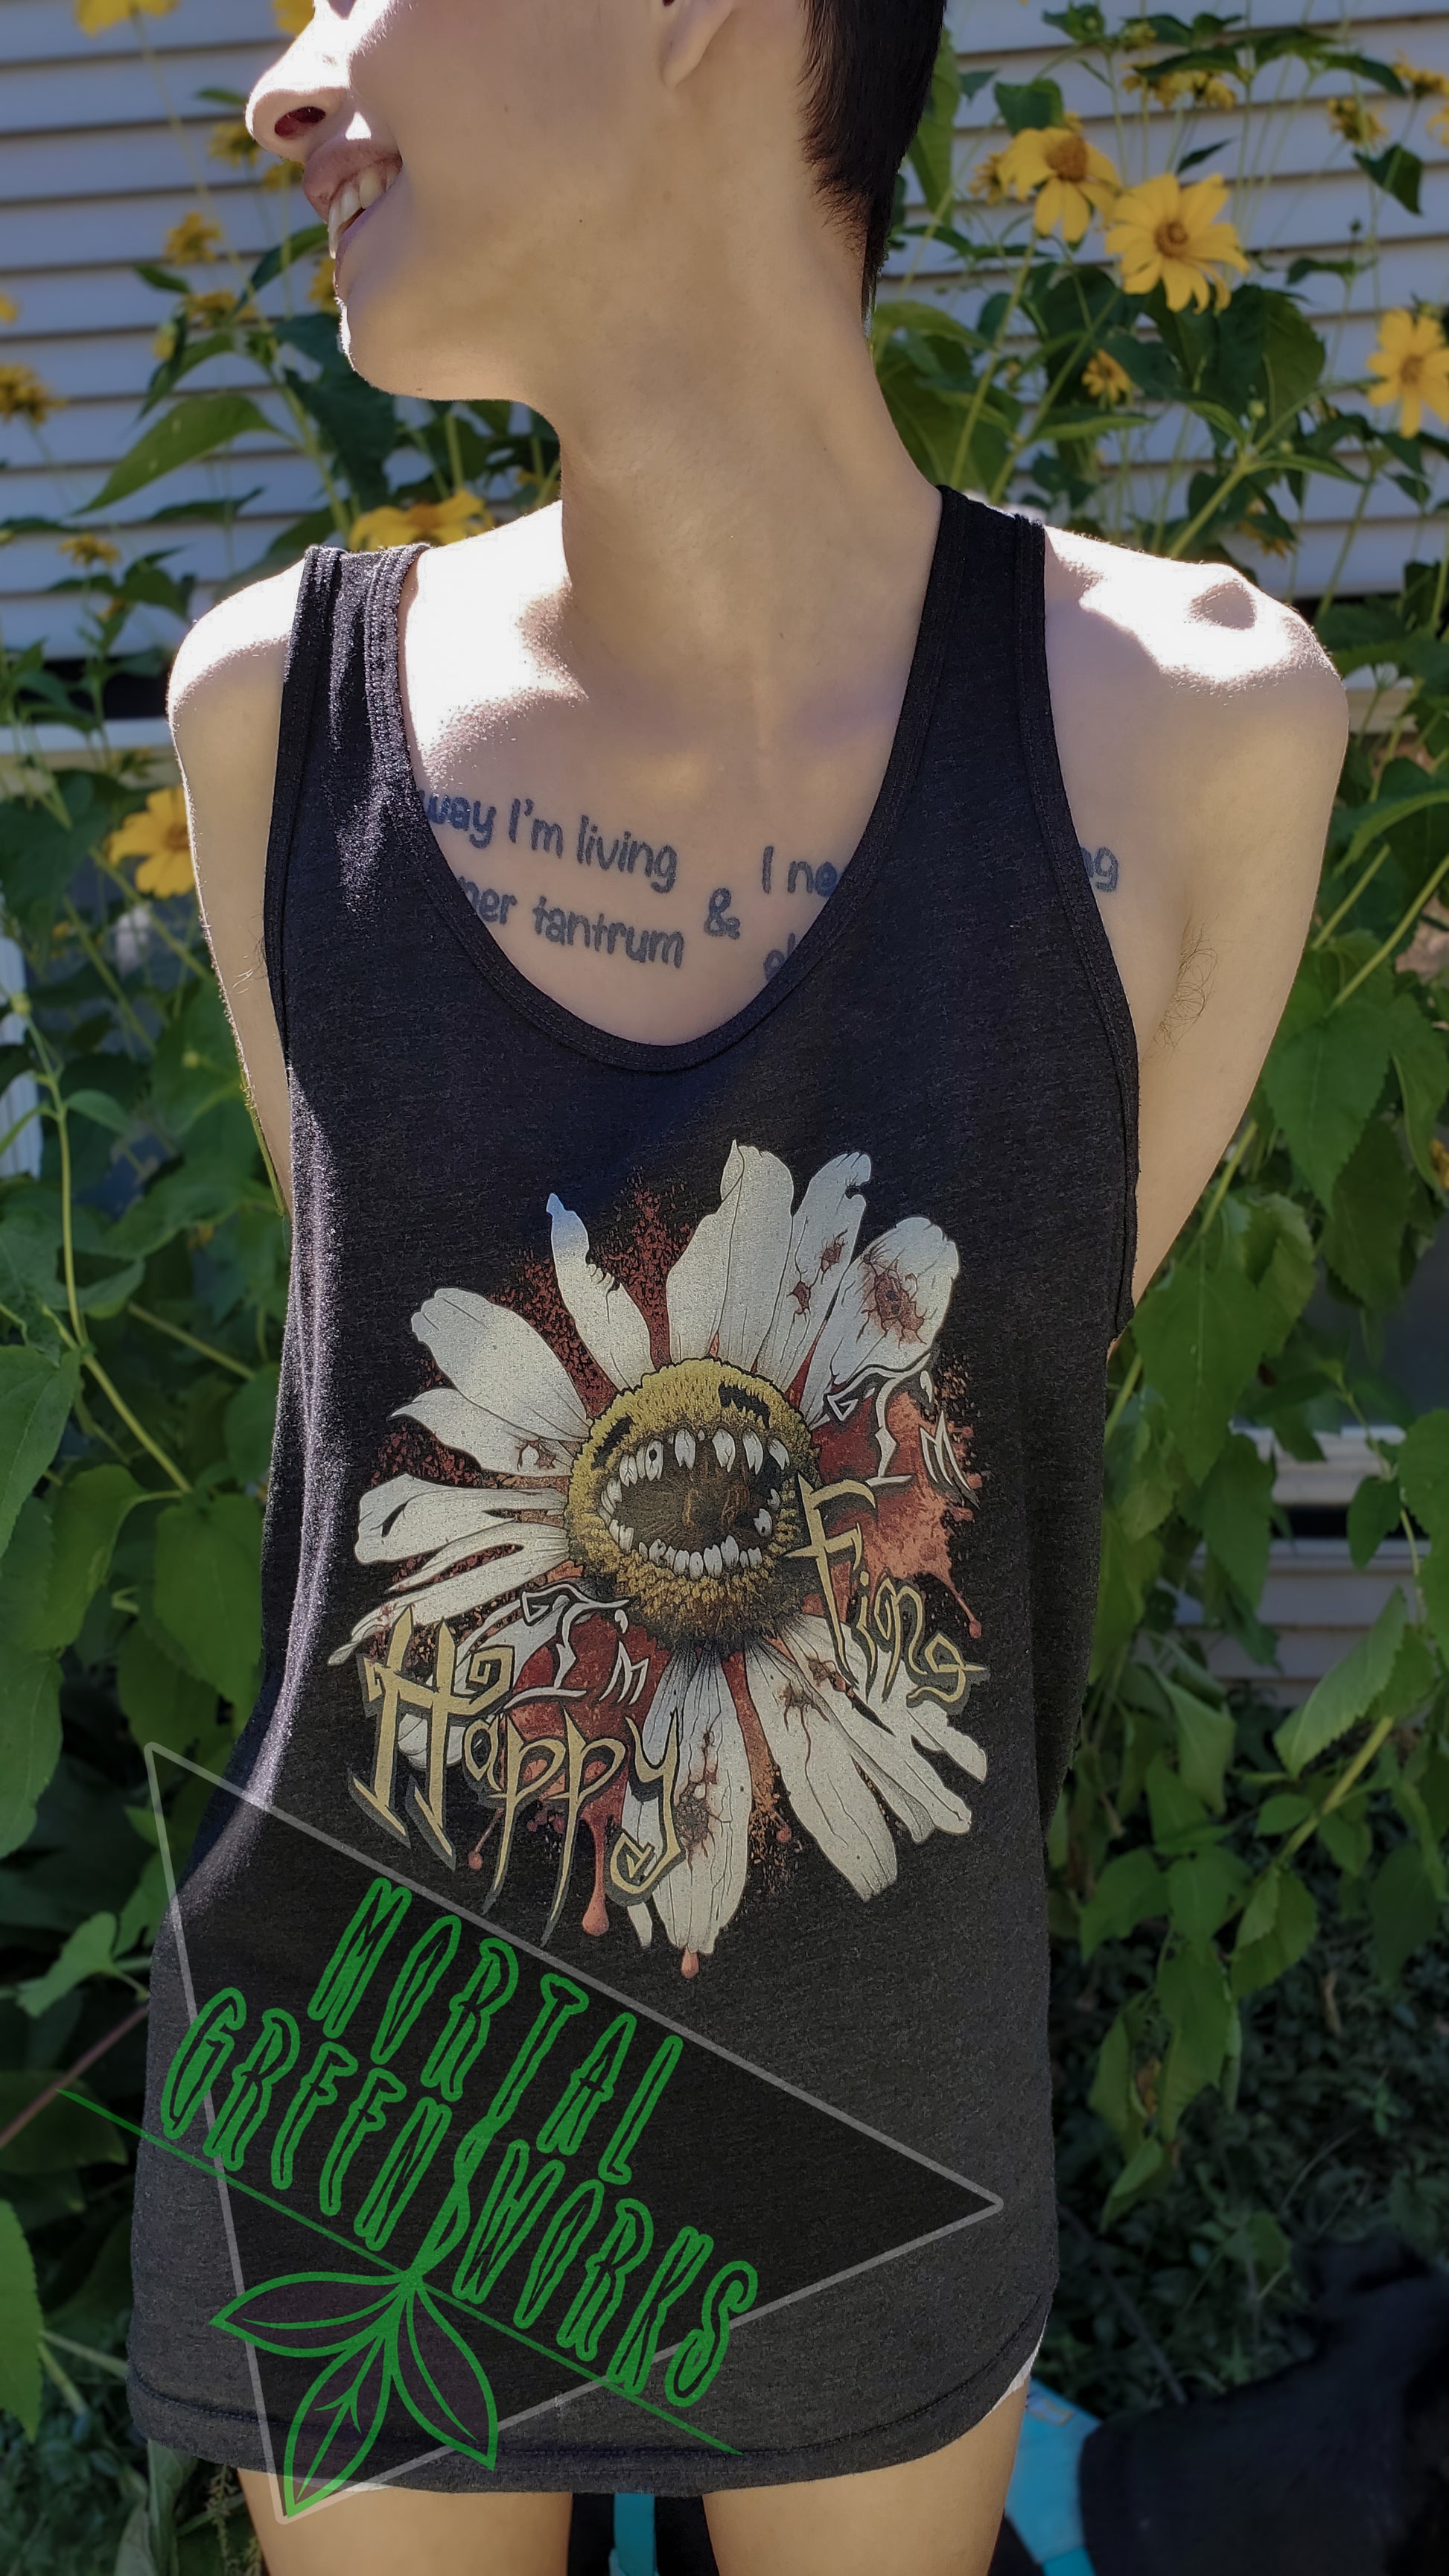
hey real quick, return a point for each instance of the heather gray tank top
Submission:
(600, 2040)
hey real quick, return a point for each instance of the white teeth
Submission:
(626, 1540)
(713, 1561)
(696, 1565)
(657, 1551)
(628, 1472)
(613, 1494)
(754, 1558)
(754, 1453)
(779, 1453)
(684, 1447)
(724, 1449)
(615, 1533)
(354, 198)
(654, 1461)
(763, 1524)
(680, 1562)
(730, 1552)
(369, 185)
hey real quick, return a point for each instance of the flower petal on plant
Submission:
(443, 2383)
(610, 1325)
(822, 1239)
(498, 1361)
(891, 1306)
(309, 2313)
(407, 1515)
(724, 1288)
(826, 1791)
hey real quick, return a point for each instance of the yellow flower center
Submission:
(1411, 369)
(1067, 159)
(1173, 238)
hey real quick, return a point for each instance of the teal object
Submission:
(1041, 2502)
(633, 2550)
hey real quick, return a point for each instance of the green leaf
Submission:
(1421, 1062)
(1323, 1085)
(1202, 1892)
(1179, 1816)
(64, 2134)
(1278, 1924)
(195, 426)
(1280, 1813)
(1346, 1694)
(24, 1576)
(87, 1519)
(1278, 1257)
(1423, 1465)
(1293, 355)
(1404, 1909)
(104, 2294)
(1205, 1741)
(36, 1395)
(1201, 1337)
(1114, 2096)
(20, 2325)
(1029, 103)
(1195, 1996)
(250, 1423)
(1128, 1569)
(209, 1589)
(1130, 1888)
(161, 1703)
(1371, 1201)
(30, 1734)
(1147, 2172)
(1376, 1508)
(1236, 1507)
(1397, 171)
(89, 1949)
(1413, 1681)
(303, 244)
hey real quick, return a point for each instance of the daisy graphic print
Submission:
(679, 1570)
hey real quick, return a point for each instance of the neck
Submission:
(740, 522)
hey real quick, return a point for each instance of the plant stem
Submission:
(1395, 935)
(988, 372)
(72, 2075)
(86, 2352)
(1134, 1371)
(1349, 900)
(1341, 1787)
(208, 1350)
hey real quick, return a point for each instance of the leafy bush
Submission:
(1119, 359)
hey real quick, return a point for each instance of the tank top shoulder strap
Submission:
(324, 715)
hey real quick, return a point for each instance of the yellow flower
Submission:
(158, 836)
(230, 141)
(441, 522)
(1072, 177)
(1205, 89)
(8, 312)
(93, 17)
(1106, 379)
(1439, 124)
(1420, 83)
(322, 289)
(164, 343)
(192, 242)
(292, 15)
(986, 181)
(218, 305)
(1413, 361)
(24, 397)
(1165, 232)
(1356, 121)
(1439, 1157)
(88, 551)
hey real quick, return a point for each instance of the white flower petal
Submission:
(891, 1306)
(610, 1325)
(712, 1791)
(532, 1551)
(499, 1447)
(896, 1751)
(724, 1288)
(824, 1788)
(501, 1364)
(407, 1516)
(822, 1239)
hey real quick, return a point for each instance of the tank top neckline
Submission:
(408, 815)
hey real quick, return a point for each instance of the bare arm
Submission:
(1201, 731)
(225, 709)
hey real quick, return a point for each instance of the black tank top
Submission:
(679, 1564)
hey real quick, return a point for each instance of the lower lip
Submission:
(351, 231)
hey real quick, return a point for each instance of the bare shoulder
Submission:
(1195, 648)
(225, 694)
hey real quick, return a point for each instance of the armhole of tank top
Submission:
(306, 654)
(1054, 814)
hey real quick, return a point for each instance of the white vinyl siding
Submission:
(93, 173)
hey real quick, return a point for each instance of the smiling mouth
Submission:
(684, 1496)
(356, 197)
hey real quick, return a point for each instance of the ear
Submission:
(687, 29)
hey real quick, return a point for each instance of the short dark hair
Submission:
(867, 76)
